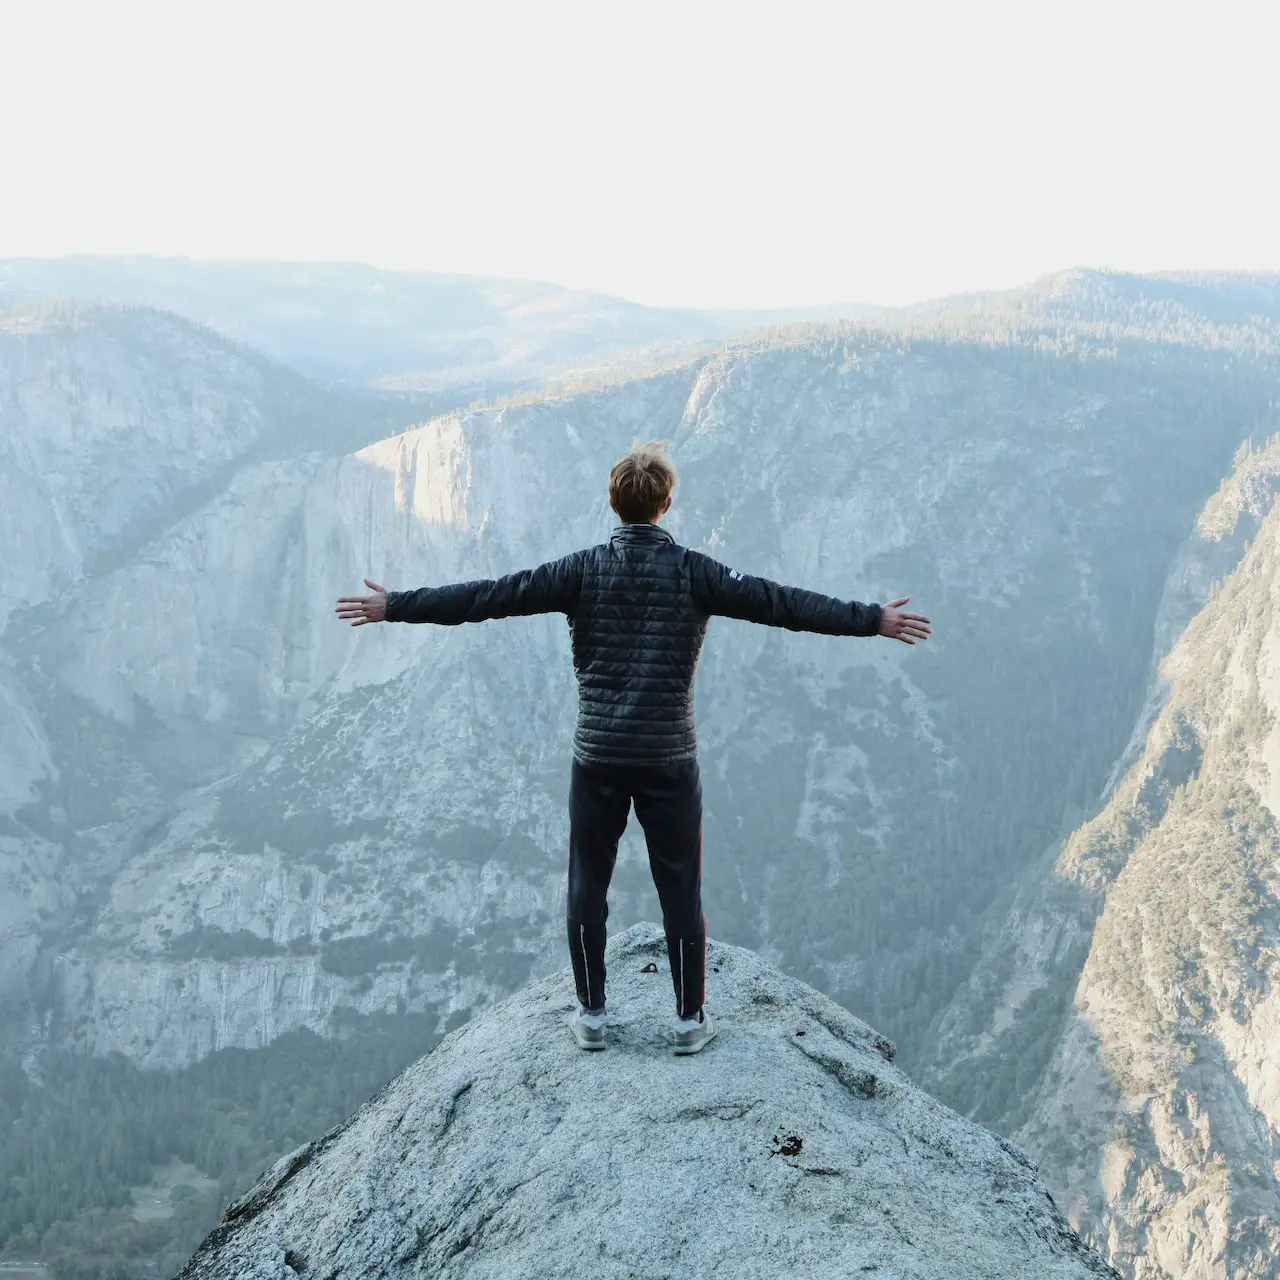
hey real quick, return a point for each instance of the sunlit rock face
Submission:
(790, 1146)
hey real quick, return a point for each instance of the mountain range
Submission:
(1038, 852)
(416, 330)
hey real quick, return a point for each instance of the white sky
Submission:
(743, 154)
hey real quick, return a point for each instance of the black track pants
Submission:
(668, 800)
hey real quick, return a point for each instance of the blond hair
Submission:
(641, 482)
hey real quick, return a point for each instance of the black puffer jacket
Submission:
(637, 607)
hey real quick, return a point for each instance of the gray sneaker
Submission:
(588, 1029)
(695, 1040)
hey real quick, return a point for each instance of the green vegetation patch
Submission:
(74, 1147)
(206, 942)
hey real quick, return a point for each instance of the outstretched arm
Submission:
(719, 590)
(550, 588)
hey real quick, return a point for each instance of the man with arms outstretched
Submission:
(638, 607)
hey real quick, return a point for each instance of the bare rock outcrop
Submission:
(791, 1146)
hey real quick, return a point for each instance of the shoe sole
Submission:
(685, 1050)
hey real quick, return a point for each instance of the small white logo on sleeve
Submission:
(735, 575)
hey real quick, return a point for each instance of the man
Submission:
(638, 607)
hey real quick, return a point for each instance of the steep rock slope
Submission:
(790, 1145)
(1178, 1007)
(116, 424)
(109, 417)
(1132, 992)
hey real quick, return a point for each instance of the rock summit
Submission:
(790, 1146)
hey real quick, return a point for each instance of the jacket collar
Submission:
(641, 535)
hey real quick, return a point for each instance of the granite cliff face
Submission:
(790, 1146)
(118, 425)
(1135, 980)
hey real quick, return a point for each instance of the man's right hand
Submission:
(364, 609)
(907, 627)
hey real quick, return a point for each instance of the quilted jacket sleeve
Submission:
(718, 590)
(550, 588)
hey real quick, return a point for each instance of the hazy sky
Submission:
(744, 154)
